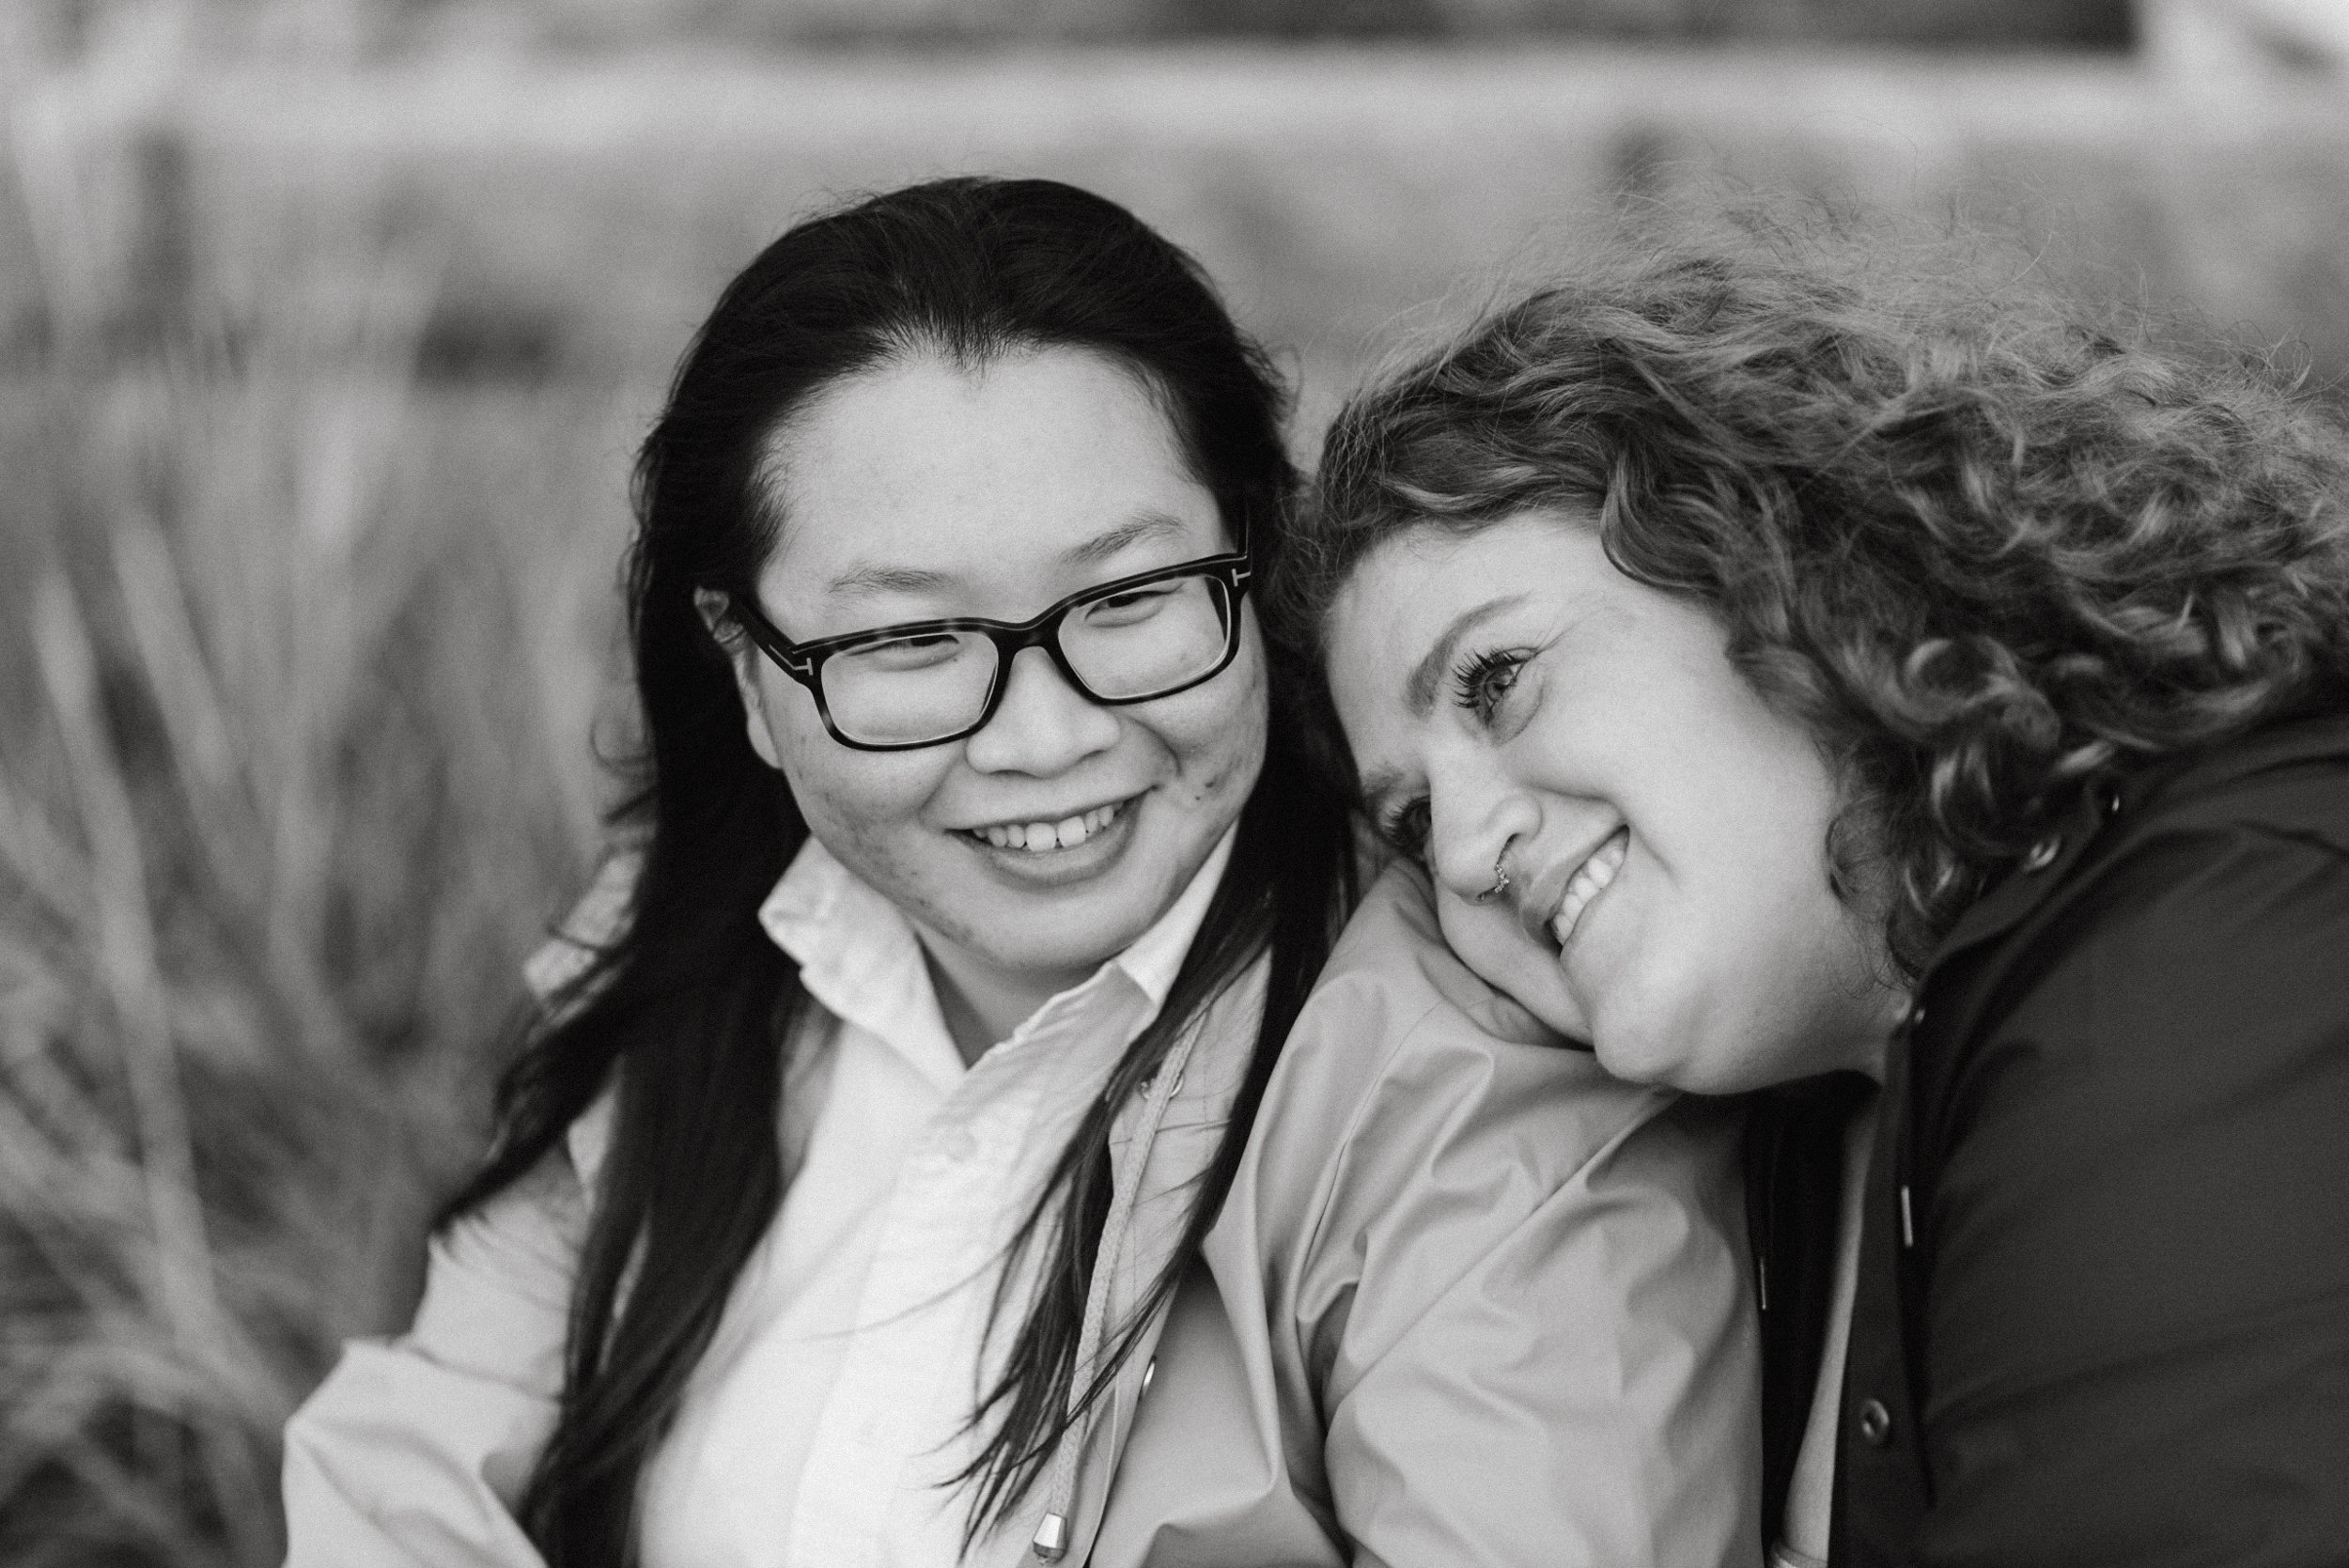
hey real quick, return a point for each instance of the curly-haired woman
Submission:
(1802, 678)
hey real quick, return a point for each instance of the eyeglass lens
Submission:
(1141, 642)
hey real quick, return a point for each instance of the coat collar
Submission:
(1157, 1164)
(2136, 797)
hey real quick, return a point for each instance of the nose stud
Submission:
(1501, 878)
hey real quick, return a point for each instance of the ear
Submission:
(743, 659)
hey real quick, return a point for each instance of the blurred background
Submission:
(327, 326)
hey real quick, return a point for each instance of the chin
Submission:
(1558, 1019)
(1633, 1067)
(1663, 1059)
(1064, 933)
(1075, 951)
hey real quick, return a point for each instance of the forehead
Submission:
(1405, 611)
(922, 467)
(1412, 589)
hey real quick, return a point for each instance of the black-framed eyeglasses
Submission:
(925, 683)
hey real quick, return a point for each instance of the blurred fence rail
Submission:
(316, 396)
(584, 213)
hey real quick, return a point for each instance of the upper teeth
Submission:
(1035, 837)
(1590, 880)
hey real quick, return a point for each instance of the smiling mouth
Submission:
(1039, 838)
(1590, 878)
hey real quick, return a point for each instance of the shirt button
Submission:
(2043, 854)
(1148, 1373)
(1875, 1423)
(958, 1145)
(1916, 1017)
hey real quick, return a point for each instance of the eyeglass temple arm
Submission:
(770, 639)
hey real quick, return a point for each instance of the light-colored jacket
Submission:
(1469, 1301)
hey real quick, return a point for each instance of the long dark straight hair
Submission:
(684, 1009)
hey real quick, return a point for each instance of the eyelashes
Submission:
(1405, 830)
(1482, 680)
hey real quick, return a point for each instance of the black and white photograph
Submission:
(1174, 783)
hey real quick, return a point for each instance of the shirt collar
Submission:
(860, 959)
(1157, 956)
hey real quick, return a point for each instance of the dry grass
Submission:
(300, 657)
(298, 653)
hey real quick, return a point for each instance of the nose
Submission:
(1475, 814)
(1043, 725)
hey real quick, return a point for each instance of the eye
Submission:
(1482, 681)
(1132, 606)
(923, 651)
(1405, 830)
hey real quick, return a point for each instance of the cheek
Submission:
(1742, 992)
(861, 804)
(1745, 840)
(1216, 733)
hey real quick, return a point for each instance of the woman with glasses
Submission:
(931, 1153)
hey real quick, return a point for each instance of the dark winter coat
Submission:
(2103, 1312)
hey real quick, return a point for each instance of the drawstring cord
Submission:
(1051, 1536)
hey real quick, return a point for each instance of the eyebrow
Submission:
(1419, 692)
(1103, 546)
(866, 582)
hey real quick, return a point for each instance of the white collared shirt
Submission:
(833, 1406)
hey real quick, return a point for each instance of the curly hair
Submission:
(1988, 556)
